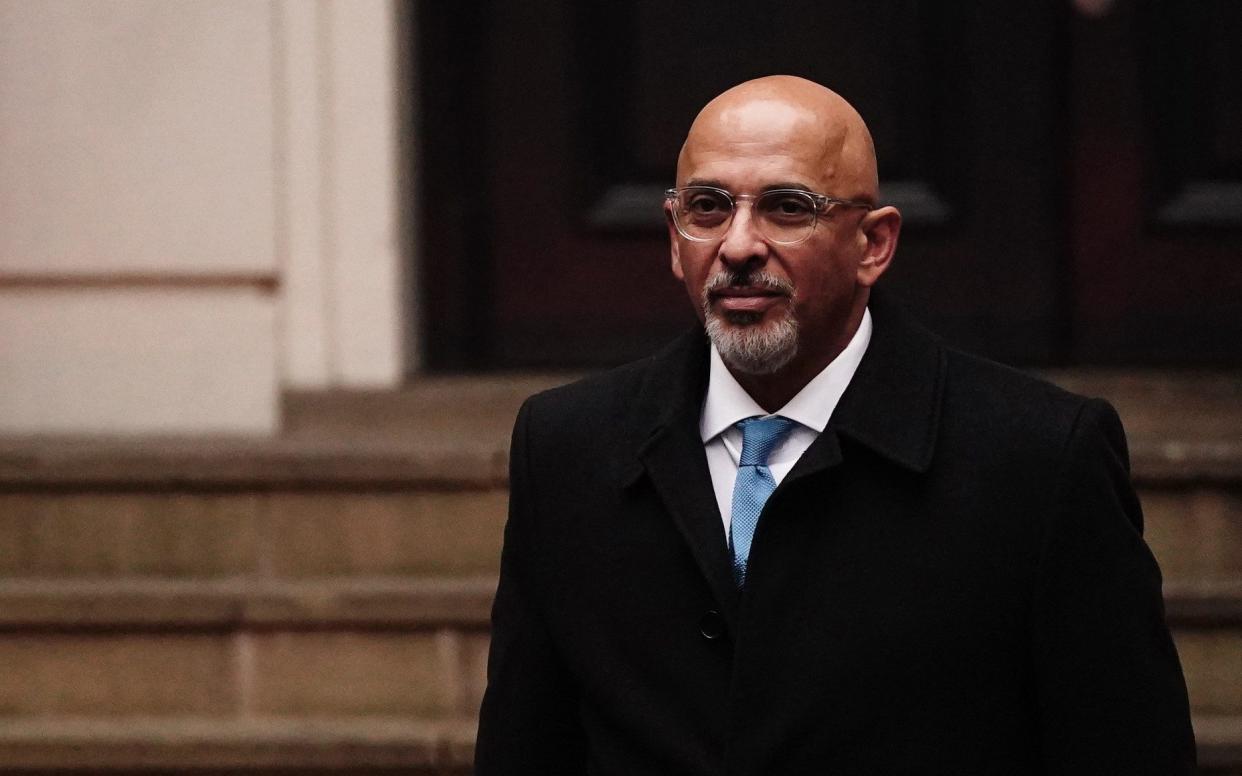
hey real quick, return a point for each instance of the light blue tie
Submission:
(754, 484)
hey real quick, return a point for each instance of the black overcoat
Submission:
(951, 580)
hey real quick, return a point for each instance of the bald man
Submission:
(808, 537)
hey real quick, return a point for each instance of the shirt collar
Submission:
(727, 401)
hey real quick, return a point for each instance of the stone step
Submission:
(412, 482)
(297, 673)
(442, 433)
(154, 604)
(372, 745)
(352, 646)
(243, 647)
(357, 674)
(1195, 531)
(443, 462)
(416, 530)
(454, 431)
(1206, 620)
(469, 459)
(1219, 739)
(147, 603)
(1174, 404)
(259, 745)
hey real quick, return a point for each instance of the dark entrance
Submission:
(1072, 184)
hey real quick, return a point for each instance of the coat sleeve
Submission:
(529, 722)
(1111, 695)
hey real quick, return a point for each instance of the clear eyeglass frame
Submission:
(817, 204)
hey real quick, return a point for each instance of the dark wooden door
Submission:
(1156, 169)
(1020, 140)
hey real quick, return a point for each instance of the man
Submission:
(925, 564)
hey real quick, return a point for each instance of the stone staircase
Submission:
(318, 603)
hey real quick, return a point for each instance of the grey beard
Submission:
(743, 343)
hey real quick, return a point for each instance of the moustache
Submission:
(728, 278)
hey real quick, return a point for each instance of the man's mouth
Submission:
(748, 295)
(746, 298)
(745, 291)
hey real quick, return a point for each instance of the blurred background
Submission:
(276, 274)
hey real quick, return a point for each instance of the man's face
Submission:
(766, 304)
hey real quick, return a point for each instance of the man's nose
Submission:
(743, 243)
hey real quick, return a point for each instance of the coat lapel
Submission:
(892, 404)
(670, 453)
(677, 466)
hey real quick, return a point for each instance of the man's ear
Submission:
(879, 229)
(674, 245)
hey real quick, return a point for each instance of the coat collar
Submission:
(892, 404)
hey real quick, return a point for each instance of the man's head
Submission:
(774, 296)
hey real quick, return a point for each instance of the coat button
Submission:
(712, 625)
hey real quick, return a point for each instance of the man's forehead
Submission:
(765, 122)
(768, 137)
(744, 116)
(780, 127)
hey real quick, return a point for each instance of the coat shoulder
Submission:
(1015, 410)
(627, 397)
(588, 400)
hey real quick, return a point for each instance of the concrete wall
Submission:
(198, 207)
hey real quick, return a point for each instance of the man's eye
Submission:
(705, 204)
(789, 207)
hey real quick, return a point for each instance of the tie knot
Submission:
(760, 436)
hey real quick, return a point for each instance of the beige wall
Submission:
(198, 207)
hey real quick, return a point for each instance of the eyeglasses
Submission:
(783, 216)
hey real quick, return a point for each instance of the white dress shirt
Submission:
(727, 402)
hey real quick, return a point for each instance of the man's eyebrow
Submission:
(788, 185)
(770, 187)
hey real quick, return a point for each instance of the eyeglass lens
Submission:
(782, 216)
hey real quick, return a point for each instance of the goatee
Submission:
(744, 342)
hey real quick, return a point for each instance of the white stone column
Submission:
(198, 206)
(343, 309)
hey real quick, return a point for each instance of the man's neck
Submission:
(775, 390)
